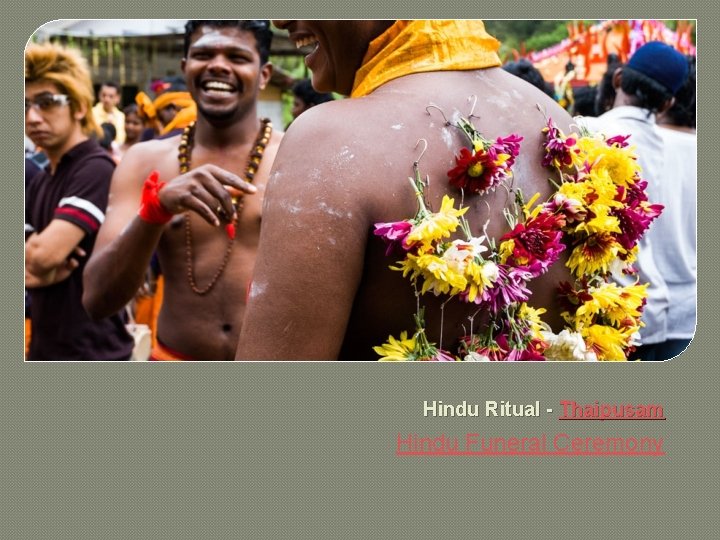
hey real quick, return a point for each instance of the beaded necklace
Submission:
(254, 160)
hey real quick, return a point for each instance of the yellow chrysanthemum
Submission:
(603, 191)
(594, 255)
(480, 277)
(532, 316)
(614, 303)
(602, 223)
(435, 273)
(578, 191)
(529, 211)
(506, 250)
(438, 225)
(586, 146)
(607, 342)
(618, 163)
(397, 350)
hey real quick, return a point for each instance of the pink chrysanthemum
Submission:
(394, 234)
(558, 148)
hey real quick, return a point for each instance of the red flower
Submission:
(484, 169)
(536, 243)
(474, 172)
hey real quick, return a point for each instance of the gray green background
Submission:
(306, 451)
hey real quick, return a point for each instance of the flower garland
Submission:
(598, 213)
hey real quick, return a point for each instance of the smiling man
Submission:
(356, 157)
(196, 199)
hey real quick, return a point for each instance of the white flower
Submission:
(567, 346)
(635, 340)
(619, 269)
(490, 271)
(460, 253)
(476, 357)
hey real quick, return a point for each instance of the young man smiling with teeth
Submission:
(206, 199)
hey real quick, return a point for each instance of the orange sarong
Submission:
(161, 353)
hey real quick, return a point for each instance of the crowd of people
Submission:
(190, 213)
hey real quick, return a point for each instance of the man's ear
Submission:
(669, 103)
(182, 64)
(265, 75)
(80, 112)
(617, 78)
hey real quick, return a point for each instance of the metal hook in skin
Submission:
(417, 161)
(447, 122)
(542, 111)
(472, 109)
(509, 193)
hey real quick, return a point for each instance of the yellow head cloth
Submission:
(179, 99)
(145, 105)
(426, 45)
(182, 119)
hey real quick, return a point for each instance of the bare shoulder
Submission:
(142, 158)
(329, 151)
(361, 151)
(357, 151)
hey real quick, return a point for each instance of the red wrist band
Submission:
(151, 209)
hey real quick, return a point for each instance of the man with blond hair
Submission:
(64, 207)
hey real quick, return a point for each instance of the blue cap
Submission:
(661, 63)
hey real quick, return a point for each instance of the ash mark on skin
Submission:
(333, 211)
(500, 101)
(397, 127)
(293, 208)
(257, 289)
(212, 37)
(345, 155)
(315, 175)
(448, 139)
(342, 160)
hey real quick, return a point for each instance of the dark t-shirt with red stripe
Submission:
(78, 193)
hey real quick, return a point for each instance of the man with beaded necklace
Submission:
(196, 199)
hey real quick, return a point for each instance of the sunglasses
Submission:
(46, 102)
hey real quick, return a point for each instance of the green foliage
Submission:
(534, 35)
(541, 41)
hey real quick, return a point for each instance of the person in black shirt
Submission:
(64, 207)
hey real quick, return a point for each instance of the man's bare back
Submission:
(360, 152)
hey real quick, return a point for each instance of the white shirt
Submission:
(650, 148)
(676, 255)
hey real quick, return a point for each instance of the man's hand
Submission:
(204, 191)
(57, 274)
